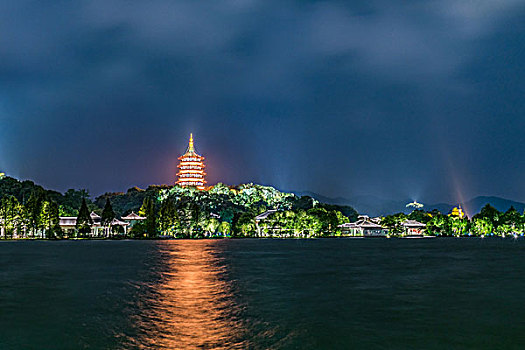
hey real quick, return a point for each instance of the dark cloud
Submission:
(421, 100)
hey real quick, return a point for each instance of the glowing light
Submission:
(414, 205)
(457, 212)
(191, 168)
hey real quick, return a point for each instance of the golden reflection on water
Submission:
(194, 307)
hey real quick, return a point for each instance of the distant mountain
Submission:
(369, 205)
(376, 206)
(502, 204)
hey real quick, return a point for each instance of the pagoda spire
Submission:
(191, 149)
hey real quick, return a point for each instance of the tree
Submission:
(513, 219)
(458, 226)
(150, 224)
(33, 210)
(107, 215)
(72, 201)
(168, 219)
(491, 213)
(49, 220)
(244, 225)
(84, 220)
(481, 226)
(225, 228)
(438, 225)
(9, 215)
(420, 215)
(393, 223)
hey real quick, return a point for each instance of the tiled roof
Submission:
(133, 216)
(413, 223)
(265, 215)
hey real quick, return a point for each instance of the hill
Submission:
(376, 206)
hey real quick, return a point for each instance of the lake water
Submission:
(263, 294)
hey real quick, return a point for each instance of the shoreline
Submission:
(255, 238)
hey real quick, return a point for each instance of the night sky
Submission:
(418, 99)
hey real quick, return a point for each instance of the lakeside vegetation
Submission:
(29, 211)
(488, 222)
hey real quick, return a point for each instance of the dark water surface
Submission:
(263, 294)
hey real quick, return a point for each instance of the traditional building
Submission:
(265, 230)
(413, 228)
(364, 226)
(133, 218)
(69, 223)
(191, 168)
(457, 212)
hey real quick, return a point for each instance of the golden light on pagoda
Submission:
(191, 168)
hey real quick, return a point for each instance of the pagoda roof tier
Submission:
(195, 163)
(194, 155)
(189, 172)
(191, 183)
(202, 181)
(196, 170)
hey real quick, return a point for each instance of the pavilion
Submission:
(413, 228)
(365, 227)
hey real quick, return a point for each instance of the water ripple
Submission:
(192, 306)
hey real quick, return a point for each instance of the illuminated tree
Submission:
(9, 215)
(149, 226)
(458, 226)
(438, 225)
(481, 226)
(393, 223)
(212, 225)
(225, 228)
(49, 220)
(491, 213)
(33, 210)
(168, 220)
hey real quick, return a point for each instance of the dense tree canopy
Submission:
(29, 210)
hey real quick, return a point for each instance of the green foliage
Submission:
(393, 223)
(149, 226)
(438, 225)
(224, 228)
(481, 226)
(458, 227)
(186, 212)
(421, 216)
(72, 201)
(108, 214)
(50, 221)
(11, 213)
(490, 213)
(84, 220)
(345, 210)
(168, 219)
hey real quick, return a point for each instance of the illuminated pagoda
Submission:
(457, 212)
(191, 168)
